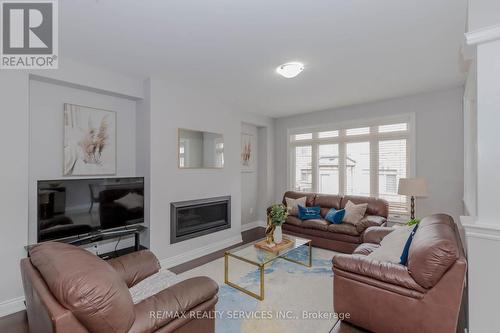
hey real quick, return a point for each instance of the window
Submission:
(304, 136)
(303, 169)
(328, 134)
(358, 168)
(392, 166)
(328, 167)
(350, 160)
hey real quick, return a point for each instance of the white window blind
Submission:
(392, 166)
(365, 160)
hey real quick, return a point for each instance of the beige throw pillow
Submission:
(292, 205)
(354, 213)
(392, 246)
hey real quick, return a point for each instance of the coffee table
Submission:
(258, 257)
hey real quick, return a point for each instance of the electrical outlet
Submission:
(251, 210)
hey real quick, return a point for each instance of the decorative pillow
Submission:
(292, 205)
(335, 216)
(152, 285)
(392, 246)
(309, 213)
(354, 213)
(406, 250)
(131, 201)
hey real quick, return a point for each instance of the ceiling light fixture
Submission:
(290, 69)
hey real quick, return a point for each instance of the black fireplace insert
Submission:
(194, 218)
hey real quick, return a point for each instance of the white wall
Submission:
(14, 190)
(483, 13)
(249, 181)
(439, 143)
(46, 135)
(173, 108)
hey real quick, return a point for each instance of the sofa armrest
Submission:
(376, 234)
(383, 271)
(370, 221)
(135, 267)
(173, 303)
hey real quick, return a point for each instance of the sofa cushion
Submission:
(366, 248)
(309, 213)
(292, 205)
(343, 228)
(318, 224)
(295, 195)
(406, 250)
(322, 234)
(383, 271)
(354, 213)
(378, 207)
(391, 247)
(433, 250)
(370, 221)
(335, 215)
(86, 285)
(328, 201)
(293, 220)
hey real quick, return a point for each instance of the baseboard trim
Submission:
(199, 252)
(253, 225)
(12, 306)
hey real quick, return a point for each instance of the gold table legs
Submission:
(259, 296)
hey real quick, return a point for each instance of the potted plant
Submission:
(277, 216)
(412, 222)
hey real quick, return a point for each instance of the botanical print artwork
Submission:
(89, 141)
(247, 152)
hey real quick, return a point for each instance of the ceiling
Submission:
(354, 51)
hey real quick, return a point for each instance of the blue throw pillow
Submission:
(335, 216)
(309, 213)
(406, 249)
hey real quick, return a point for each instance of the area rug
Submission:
(297, 298)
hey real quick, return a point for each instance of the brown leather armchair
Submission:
(68, 289)
(424, 296)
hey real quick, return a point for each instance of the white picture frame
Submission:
(89, 147)
(248, 151)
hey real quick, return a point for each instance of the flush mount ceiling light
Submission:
(290, 69)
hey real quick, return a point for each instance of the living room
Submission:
(249, 166)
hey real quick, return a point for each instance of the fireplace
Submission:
(194, 218)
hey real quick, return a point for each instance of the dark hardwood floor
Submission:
(14, 323)
(18, 323)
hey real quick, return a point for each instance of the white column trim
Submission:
(483, 35)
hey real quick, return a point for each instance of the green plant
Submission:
(278, 214)
(413, 222)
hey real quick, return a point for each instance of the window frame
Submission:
(374, 137)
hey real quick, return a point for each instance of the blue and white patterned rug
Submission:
(297, 298)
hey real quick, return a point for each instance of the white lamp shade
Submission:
(416, 187)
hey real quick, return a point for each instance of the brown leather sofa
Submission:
(422, 297)
(68, 289)
(342, 237)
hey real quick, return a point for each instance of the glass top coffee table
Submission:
(250, 254)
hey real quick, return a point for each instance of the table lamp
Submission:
(413, 187)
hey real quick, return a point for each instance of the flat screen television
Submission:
(71, 208)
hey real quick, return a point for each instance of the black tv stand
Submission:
(135, 230)
(111, 234)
